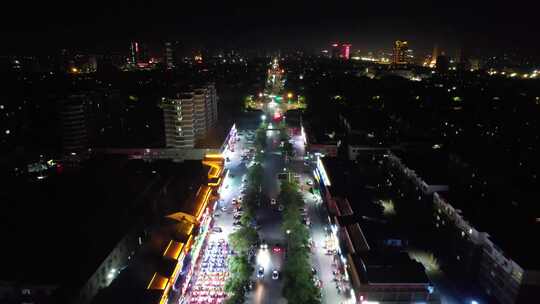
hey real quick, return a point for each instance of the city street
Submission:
(319, 229)
(268, 290)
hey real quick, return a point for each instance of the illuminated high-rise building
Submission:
(341, 51)
(434, 56)
(134, 52)
(345, 52)
(189, 116)
(399, 54)
(172, 54)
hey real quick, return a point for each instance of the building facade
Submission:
(399, 54)
(497, 273)
(189, 116)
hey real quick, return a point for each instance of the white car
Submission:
(260, 272)
(273, 201)
(275, 274)
(280, 208)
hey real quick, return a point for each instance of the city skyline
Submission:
(275, 26)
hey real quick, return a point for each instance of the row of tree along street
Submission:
(299, 287)
(298, 275)
(244, 239)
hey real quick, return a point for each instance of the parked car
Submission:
(275, 274)
(273, 201)
(280, 208)
(217, 229)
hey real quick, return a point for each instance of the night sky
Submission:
(372, 25)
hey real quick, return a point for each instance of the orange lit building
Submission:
(161, 271)
(399, 54)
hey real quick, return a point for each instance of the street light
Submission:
(263, 117)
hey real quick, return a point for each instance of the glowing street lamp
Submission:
(289, 95)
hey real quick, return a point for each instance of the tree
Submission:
(287, 148)
(255, 175)
(299, 287)
(260, 137)
(248, 216)
(240, 271)
(242, 239)
(289, 195)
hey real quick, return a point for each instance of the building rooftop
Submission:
(383, 267)
(519, 219)
(148, 277)
(346, 180)
(323, 132)
(430, 165)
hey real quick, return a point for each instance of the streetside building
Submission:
(321, 142)
(162, 270)
(390, 277)
(505, 263)
(367, 242)
(367, 130)
(93, 230)
(428, 171)
(489, 251)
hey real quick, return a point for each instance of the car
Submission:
(317, 282)
(240, 199)
(264, 245)
(276, 248)
(302, 209)
(260, 272)
(309, 182)
(228, 159)
(313, 271)
(237, 223)
(234, 201)
(217, 229)
(280, 208)
(275, 274)
(273, 201)
(224, 209)
(237, 216)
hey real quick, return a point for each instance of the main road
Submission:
(268, 290)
